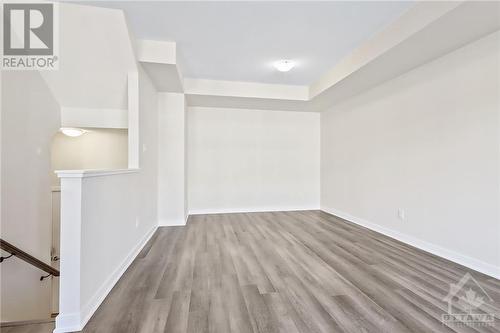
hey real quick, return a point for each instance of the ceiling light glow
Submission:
(284, 65)
(73, 132)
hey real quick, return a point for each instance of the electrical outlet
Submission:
(401, 214)
(137, 222)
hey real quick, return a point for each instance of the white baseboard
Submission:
(172, 222)
(77, 321)
(68, 323)
(437, 250)
(250, 210)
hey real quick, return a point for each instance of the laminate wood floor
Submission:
(285, 272)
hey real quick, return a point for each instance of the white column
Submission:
(70, 305)
(172, 206)
(133, 120)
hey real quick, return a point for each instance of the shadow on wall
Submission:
(96, 148)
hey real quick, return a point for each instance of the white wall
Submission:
(427, 142)
(95, 56)
(172, 159)
(99, 148)
(125, 203)
(252, 160)
(98, 208)
(30, 117)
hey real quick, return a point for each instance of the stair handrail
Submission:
(15, 251)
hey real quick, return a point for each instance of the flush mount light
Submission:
(284, 65)
(73, 132)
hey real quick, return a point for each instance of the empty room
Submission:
(250, 166)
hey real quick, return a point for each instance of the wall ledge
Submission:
(93, 172)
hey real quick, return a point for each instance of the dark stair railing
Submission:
(14, 251)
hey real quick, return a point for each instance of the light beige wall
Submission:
(252, 160)
(426, 142)
(30, 117)
(99, 148)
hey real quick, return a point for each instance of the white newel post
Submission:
(70, 305)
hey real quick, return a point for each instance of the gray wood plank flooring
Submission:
(283, 272)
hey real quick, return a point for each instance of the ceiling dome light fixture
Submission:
(284, 65)
(73, 132)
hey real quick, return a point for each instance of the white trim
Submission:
(77, 321)
(464, 260)
(172, 222)
(92, 172)
(250, 210)
(67, 323)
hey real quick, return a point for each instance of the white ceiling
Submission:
(238, 41)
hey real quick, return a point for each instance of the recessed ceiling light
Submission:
(284, 65)
(73, 132)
